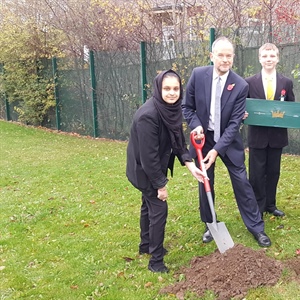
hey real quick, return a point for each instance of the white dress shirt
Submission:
(211, 123)
(266, 78)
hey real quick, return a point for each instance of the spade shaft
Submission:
(218, 230)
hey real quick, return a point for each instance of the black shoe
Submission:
(165, 252)
(207, 237)
(262, 239)
(278, 213)
(159, 269)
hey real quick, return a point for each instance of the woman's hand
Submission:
(196, 172)
(162, 193)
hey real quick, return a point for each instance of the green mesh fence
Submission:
(74, 96)
(182, 57)
(118, 92)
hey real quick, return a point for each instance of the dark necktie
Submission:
(217, 128)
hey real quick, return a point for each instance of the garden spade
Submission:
(218, 230)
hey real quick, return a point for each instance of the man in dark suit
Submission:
(266, 143)
(222, 137)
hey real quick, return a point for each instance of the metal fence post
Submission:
(57, 109)
(6, 102)
(7, 108)
(143, 70)
(94, 94)
(212, 37)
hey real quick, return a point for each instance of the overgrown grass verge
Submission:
(69, 221)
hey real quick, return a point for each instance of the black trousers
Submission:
(242, 189)
(153, 221)
(264, 172)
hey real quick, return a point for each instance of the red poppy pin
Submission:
(282, 95)
(230, 86)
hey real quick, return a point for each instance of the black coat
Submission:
(149, 149)
(261, 136)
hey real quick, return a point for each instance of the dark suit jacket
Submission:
(149, 150)
(196, 110)
(261, 136)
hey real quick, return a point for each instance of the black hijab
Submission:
(171, 114)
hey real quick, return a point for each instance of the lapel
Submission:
(207, 86)
(280, 84)
(259, 87)
(227, 91)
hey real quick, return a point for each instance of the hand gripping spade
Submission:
(218, 230)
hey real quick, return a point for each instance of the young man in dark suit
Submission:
(266, 143)
(206, 87)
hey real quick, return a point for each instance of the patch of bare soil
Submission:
(293, 265)
(231, 274)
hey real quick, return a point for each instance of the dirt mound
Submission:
(228, 275)
(293, 265)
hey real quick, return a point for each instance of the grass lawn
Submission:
(69, 221)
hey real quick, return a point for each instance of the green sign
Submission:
(273, 113)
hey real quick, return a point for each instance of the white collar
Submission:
(223, 77)
(266, 76)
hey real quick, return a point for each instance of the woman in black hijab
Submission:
(156, 137)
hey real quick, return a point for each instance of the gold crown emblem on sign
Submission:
(278, 114)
